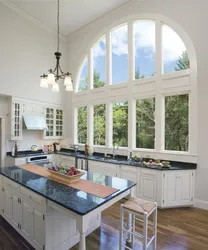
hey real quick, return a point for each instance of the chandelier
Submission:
(54, 75)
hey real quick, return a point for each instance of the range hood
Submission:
(35, 122)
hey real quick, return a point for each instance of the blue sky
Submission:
(144, 46)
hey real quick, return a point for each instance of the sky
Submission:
(144, 50)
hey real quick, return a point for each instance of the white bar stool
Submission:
(138, 210)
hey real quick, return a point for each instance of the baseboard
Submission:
(201, 204)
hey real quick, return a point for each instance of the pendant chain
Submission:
(58, 26)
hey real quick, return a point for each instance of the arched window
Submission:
(140, 89)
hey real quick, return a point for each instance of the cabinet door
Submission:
(103, 168)
(16, 211)
(148, 188)
(38, 228)
(16, 121)
(8, 204)
(184, 187)
(169, 189)
(1, 197)
(66, 160)
(27, 219)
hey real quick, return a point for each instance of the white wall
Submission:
(191, 15)
(27, 51)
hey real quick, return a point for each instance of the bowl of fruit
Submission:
(71, 174)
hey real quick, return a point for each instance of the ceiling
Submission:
(74, 14)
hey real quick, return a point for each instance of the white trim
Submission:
(3, 140)
(158, 86)
(31, 18)
(201, 204)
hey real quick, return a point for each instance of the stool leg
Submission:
(155, 229)
(121, 227)
(145, 231)
(129, 225)
(133, 230)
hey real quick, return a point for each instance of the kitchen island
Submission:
(53, 216)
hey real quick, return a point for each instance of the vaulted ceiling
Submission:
(74, 14)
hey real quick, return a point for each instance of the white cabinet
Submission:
(55, 122)
(131, 174)
(11, 161)
(16, 211)
(178, 188)
(103, 168)
(24, 210)
(8, 204)
(65, 160)
(16, 120)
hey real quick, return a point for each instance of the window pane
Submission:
(175, 56)
(99, 65)
(83, 77)
(144, 46)
(82, 125)
(120, 124)
(119, 44)
(145, 123)
(177, 122)
(99, 124)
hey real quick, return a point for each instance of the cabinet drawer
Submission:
(32, 196)
(10, 183)
(148, 172)
(20, 161)
(129, 169)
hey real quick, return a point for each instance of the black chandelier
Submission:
(57, 73)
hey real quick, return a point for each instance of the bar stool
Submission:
(138, 210)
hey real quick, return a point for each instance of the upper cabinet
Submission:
(55, 122)
(54, 115)
(16, 120)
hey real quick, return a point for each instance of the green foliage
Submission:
(176, 118)
(183, 62)
(120, 124)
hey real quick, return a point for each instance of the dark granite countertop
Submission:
(77, 201)
(119, 160)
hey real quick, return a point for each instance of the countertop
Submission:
(119, 160)
(77, 201)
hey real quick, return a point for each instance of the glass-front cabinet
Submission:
(55, 123)
(16, 121)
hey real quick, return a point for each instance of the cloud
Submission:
(144, 38)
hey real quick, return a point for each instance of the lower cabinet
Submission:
(103, 168)
(178, 188)
(148, 188)
(65, 160)
(25, 215)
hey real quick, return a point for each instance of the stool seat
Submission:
(139, 205)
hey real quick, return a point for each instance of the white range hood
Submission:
(35, 122)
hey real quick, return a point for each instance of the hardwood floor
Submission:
(178, 229)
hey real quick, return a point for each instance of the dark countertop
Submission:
(119, 160)
(77, 201)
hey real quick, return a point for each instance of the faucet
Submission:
(75, 147)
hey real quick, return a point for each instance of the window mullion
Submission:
(131, 124)
(90, 124)
(90, 70)
(109, 125)
(75, 126)
(159, 100)
(108, 59)
(131, 57)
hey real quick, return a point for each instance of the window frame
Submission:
(157, 86)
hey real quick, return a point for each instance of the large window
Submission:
(145, 123)
(82, 125)
(175, 57)
(144, 48)
(99, 63)
(99, 124)
(134, 74)
(120, 124)
(119, 48)
(177, 122)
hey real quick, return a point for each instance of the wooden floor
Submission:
(178, 229)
